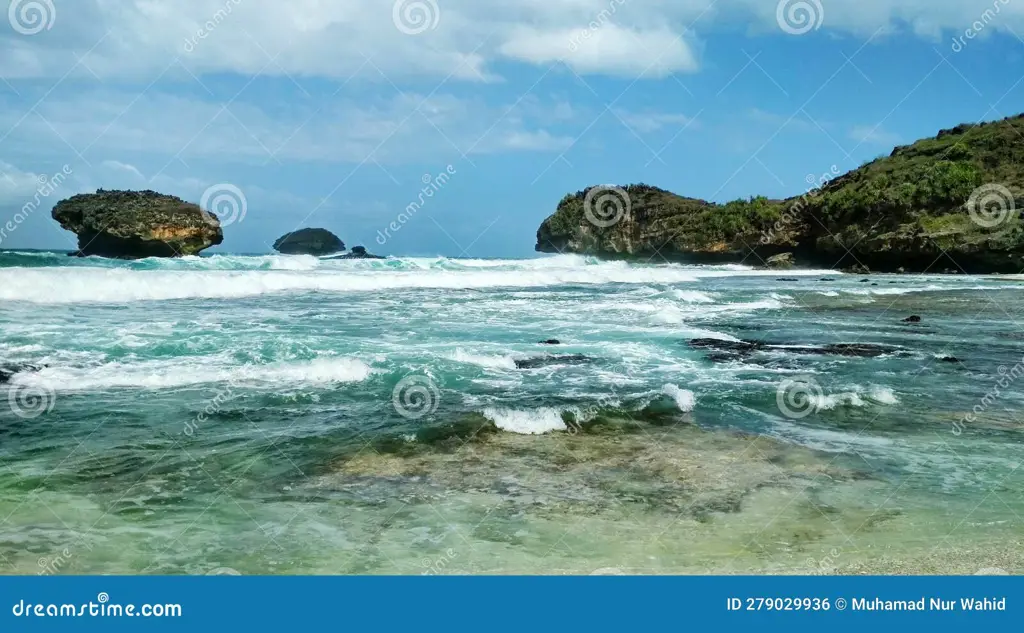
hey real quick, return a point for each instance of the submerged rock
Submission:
(543, 361)
(730, 350)
(137, 224)
(551, 341)
(8, 370)
(309, 242)
(912, 319)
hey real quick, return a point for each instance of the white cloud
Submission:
(609, 49)
(336, 39)
(404, 128)
(648, 122)
(125, 167)
(874, 135)
(17, 185)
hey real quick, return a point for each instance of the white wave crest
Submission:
(526, 422)
(482, 360)
(190, 372)
(684, 398)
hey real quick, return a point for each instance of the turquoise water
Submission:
(284, 414)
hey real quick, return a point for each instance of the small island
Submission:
(137, 224)
(309, 242)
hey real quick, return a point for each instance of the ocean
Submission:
(294, 415)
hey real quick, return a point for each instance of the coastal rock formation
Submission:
(309, 242)
(949, 202)
(359, 252)
(137, 224)
(780, 261)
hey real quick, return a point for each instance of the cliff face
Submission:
(952, 202)
(136, 224)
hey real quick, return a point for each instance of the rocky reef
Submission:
(137, 224)
(359, 252)
(950, 203)
(309, 242)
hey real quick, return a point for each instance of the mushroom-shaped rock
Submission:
(137, 224)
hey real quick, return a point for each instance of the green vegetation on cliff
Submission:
(948, 202)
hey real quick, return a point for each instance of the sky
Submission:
(335, 113)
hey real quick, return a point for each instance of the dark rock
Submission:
(780, 261)
(864, 281)
(7, 371)
(543, 361)
(949, 359)
(359, 252)
(744, 348)
(137, 224)
(551, 341)
(862, 350)
(309, 242)
(723, 345)
(912, 319)
(827, 279)
(787, 279)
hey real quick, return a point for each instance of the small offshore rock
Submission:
(359, 252)
(551, 341)
(781, 261)
(309, 242)
(912, 319)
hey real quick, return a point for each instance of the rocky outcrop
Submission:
(137, 224)
(309, 242)
(952, 202)
(8, 370)
(359, 252)
(782, 261)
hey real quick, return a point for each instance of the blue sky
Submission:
(333, 114)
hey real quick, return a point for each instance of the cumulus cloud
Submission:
(461, 40)
(402, 128)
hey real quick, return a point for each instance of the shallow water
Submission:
(274, 414)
